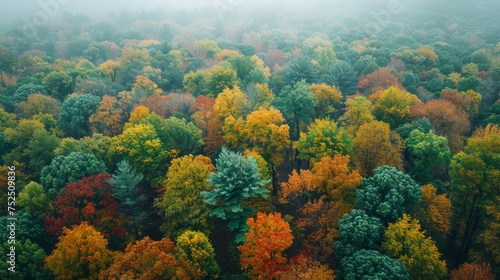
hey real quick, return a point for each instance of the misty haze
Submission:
(238, 139)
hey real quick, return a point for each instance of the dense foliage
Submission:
(201, 145)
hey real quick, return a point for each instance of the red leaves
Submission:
(377, 81)
(89, 200)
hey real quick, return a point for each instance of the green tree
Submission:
(28, 228)
(324, 138)
(247, 70)
(237, 179)
(70, 168)
(7, 62)
(26, 90)
(195, 83)
(33, 200)
(220, 77)
(342, 75)
(195, 248)
(182, 206)
(491, 235)
(29, 261)
(7, 120)
(180, 136)
(358, 231)
(98, 145)
(427, 150)
(370, 264)
(474, 184)
(387, 194)
(40, 150)
(422, 125)
(131, 196)
(19, 137)
(31, 144)
(58, 84)
(298, 69)
(75, 114)
(132, 62)
(297, 105)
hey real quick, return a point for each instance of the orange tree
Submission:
(81, 253)
(261, 253)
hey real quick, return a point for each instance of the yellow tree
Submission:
(303, 268)
(359, 112)
(394, 105)
(225, 54)
(107, 120)
(219, 78)
(405, 242)
(263, 132)
(323, 138)
(110, 68)
(297, 190)
(474, 184)
(81, 253)
(181, 206)
(261, 253)
(196, 249)
(335, 178)
(231, 102)
(37, 104)
(266, 134)
(434, 212)
(137, 115)
(147, 86)
(141, 146)
(375, 145)
(327, 97)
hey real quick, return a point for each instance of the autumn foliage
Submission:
(147, 259)
(375, 145)
(81, 253)
(89, 200)
(472, 271)
(248, 146)
(261, 253)
(381, 79)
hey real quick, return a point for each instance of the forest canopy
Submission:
(239, 140)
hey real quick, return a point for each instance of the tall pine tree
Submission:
(131, 195)
(237, 180)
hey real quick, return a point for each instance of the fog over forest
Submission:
(12, 13)
(245, 140)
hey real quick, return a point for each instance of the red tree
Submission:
(377, 81)
(88, 200)
(207, 119)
